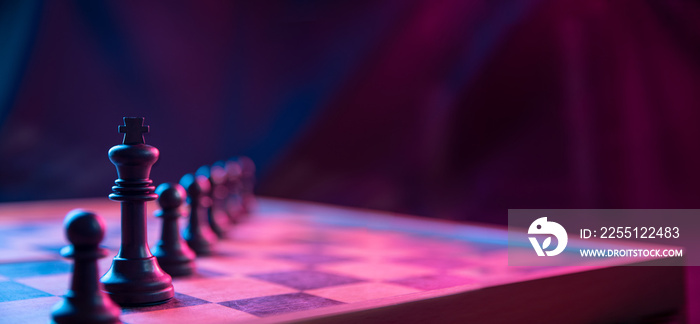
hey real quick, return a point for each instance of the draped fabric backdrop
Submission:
(455, 109)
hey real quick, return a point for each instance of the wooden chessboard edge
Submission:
(614, 302)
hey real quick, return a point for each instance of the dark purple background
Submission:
(455, 109)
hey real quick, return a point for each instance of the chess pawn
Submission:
(219, 177)
(199, 238)
(172, 252)
(233, 204)
(85, 302)
(215, 177)
(247, 184)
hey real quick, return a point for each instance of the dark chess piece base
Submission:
(134, 282)
(200, 244)
(67, 312)
(175, 265)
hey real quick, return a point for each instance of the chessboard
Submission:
(293, 261)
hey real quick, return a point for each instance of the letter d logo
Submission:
(542, 226)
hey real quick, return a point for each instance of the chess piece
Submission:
(135, 277)
(172, 252)
(248, 200)
(233, 203)
(85, 302)
(221, 190)
(215, 176)
(199, 238)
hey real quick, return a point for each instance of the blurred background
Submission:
(453, 109)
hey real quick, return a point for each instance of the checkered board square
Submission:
(295, 261)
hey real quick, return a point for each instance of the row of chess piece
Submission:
(223, 192)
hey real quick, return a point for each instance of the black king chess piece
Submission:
(85, 302)
(135, 278)
(172, 252)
